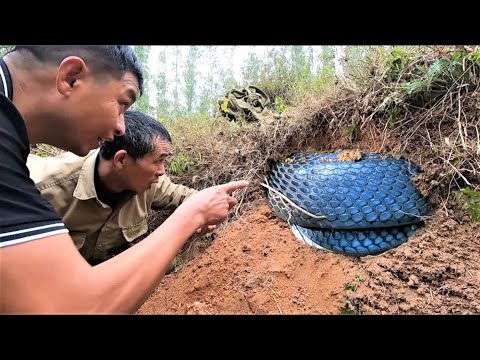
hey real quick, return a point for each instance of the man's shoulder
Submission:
(13, 131)
(167, 185)
(24, 214)
(54, 170)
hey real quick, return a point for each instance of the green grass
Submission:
(470, 201)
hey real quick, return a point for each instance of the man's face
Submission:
(142, 173)
(98, 111)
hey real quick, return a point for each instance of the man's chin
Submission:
(82, 152)
(79, 151)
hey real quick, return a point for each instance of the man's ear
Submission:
(70, 70)
(120, 158)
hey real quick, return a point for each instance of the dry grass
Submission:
(436, 125)
(45, 150)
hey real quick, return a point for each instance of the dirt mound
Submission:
(427, 114)
(436, 272)
(256, 266)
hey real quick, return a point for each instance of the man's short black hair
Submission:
(114, 60)
(141, 133)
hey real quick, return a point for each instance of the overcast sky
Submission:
(240, 54)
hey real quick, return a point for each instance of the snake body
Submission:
(360, 206)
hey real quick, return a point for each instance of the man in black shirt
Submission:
(75, 97)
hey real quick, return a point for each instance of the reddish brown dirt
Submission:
(256, 266)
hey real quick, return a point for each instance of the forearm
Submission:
(130, 277)
(50, 276)
(170, 195)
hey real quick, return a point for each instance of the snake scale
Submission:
(357, 205)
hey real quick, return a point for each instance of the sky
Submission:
(240, 54)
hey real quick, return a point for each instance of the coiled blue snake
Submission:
(360, 204)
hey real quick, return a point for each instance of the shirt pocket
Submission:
(78, 238)
(133, 232)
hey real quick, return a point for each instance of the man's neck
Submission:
(25, 97)
(6, 86)
(108, 176)
(107, 185)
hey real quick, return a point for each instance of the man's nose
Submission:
(120, 127)
(161, 170)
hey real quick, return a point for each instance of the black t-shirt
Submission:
(24, 214)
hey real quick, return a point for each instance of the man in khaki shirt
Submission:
(105, 197)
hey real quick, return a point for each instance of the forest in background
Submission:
(185, 81)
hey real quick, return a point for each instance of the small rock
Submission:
(412, 281)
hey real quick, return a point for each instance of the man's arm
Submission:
(169, 195)
(48, 275)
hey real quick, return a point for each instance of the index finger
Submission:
(234, 185)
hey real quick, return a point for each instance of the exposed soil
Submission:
(256, 266)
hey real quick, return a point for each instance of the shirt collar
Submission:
(6, 86)
(85, 188)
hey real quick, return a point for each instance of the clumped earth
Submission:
(254, 265)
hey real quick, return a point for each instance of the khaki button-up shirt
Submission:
(99, 232)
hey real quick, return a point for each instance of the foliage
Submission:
(348, 130)
(180, 164)
(352, 286)
(279, 105)
(470, 201)
(143, 103)
(287, 73)
(161, 87)
(349, 287)
(190, 79)
(347, 308)
(5, 48)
